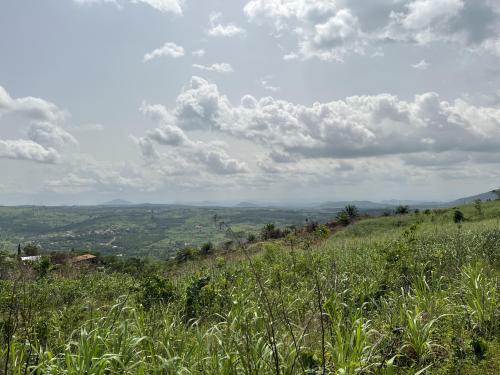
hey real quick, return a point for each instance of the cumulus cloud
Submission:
(330, 30)
(50, 135)
(359, 126)
(22, 149)
(164, 6)
(169, 133)
(30, 107)
(167, 50)
(217, 67)
(219, 30)
(45, 131)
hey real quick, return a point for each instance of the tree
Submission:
(458, 216)
(343, 218)
(352, 211)
(402, 210)
(31, 250)
(497, 193)
(478, 207)
(207, 248)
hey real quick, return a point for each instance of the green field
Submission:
(137, 230)
(404, 294)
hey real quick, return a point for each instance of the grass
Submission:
(392, 295)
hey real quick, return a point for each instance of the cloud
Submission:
(27, 150)
(228, 30)
(331, 30)
(45, 131)
(30, 107)
(167, 50)
(217, 67)
(164, 6)
(50, 135)
(266, 84)
(421, 65)
(198, 53)
(357, 127)
(168, 133)
(219, 30)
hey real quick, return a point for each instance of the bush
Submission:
(188, 253)
(31, 250)
(207, 248)
(458, 216)
(343, 218)
(155, 290)
(402, 210)
(352, 211)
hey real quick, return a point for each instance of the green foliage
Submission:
(390, 295)
(343, 218)
(31, 250)
(352, 211)
(207, 248)
(402, 210)
(156, 289)
(458, 216)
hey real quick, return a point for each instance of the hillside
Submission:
(402, 294)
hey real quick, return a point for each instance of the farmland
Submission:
(147, 230)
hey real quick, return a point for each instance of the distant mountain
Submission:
(483, 197)
(396, 202)
(246, 205)
(360, 204)
(117, 202)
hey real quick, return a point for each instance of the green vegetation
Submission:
(398, 294)
(158, 231)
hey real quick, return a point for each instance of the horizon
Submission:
(290, 101)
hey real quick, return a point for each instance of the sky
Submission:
(300, 101)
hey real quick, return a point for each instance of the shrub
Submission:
(31, 250)
(343, 218)
(458, 216)
(352, 211)
(188, 253)
(402, 210)
(207, 248)
(251, 238)
(156, 290)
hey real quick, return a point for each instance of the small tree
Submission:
(207, 248)
(402, 210)
(478, 206)
(458, 216)
(352, 211)
(497, 193)
(343, 218)
(31, 250)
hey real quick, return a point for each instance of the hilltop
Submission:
(406, 294)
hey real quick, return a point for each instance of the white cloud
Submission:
(30, 107)
(164, 6)
(167, 50)
(267, 85)
(359, 126)
(27, 150)
(50, 135)
(217, 67)
(228, 30)
(45, 132)
(331, 30)
(421, 65)
(198, 53)
(219, 30)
